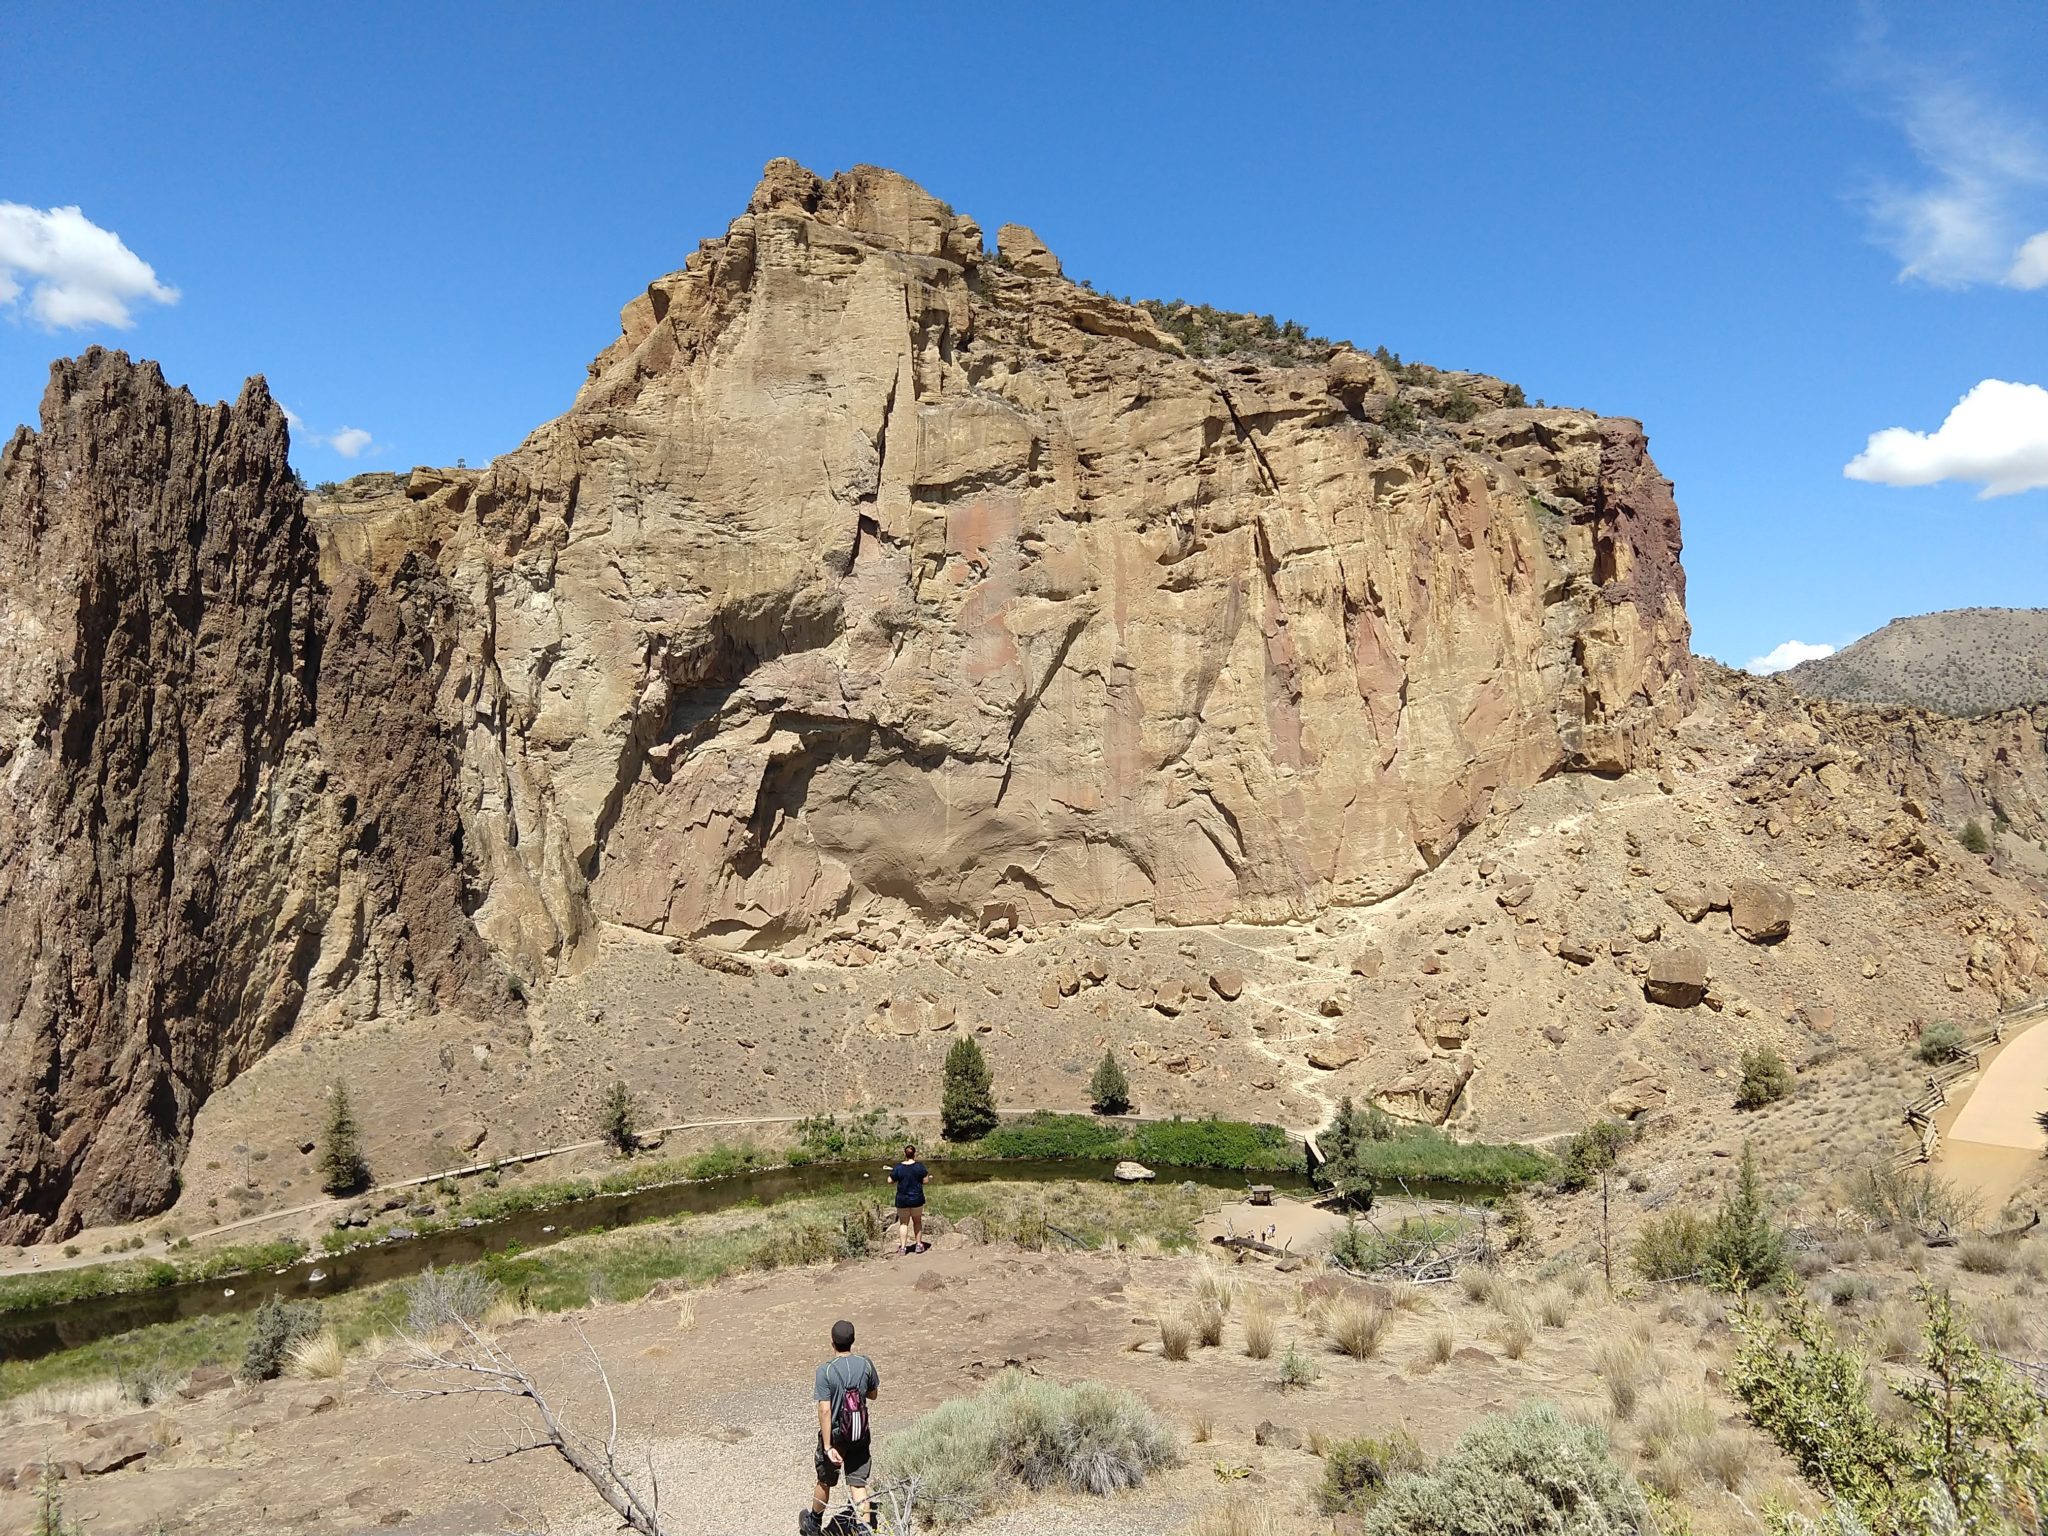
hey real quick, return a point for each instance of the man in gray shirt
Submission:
(845, 1385)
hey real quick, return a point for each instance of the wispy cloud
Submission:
(1790, 654)
(72, 273)
(1996, 437)
(348, 442)
(1978, 210)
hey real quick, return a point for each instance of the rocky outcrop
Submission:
(869, 572)
(192, 860)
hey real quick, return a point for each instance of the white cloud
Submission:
(1997, 436)
(1984, 188)
(1790, 654)
(2030, 266)
(348, 442)
(74, 273)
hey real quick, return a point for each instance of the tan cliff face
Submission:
(869, 572)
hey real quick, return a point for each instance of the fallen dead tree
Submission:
(476, 1366)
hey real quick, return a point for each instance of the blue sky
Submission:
(1768, 231)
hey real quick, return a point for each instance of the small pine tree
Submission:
(343, 1170)
(1398, 415)
(1745, 1251)
(967, 1108)
(1973, 838)
(1765, 1079)
(618, 1120)
(1109, 1090)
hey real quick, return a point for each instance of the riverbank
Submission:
(686, 1253)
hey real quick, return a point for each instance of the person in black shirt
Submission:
(910, 1175)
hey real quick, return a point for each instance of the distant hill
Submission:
(1967, 661)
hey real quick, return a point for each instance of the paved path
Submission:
(1991, 1142)
(2012, 1091)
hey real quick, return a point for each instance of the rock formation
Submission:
(189, 861)
(871, 572)
(879, 593)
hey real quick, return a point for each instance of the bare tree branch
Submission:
(480, 1368)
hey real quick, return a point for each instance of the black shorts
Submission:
(859, 1459)
(909, 1205)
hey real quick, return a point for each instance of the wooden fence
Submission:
(1921, 1111)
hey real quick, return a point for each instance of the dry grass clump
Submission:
(86, 1399)
(1893, 1335)
(1406, 1296)
(2005, 1325)
(1515, 1335)
(319, 1358)
(1214, 1287)
(1723, 1458)
(1201, 1430)
(1442, 1344)
(1985, 1255)
(1258, 1331)
(1241, 1515)
(1176, 1337)
(1357, 1327)
(686, 1314)
(1206, 1318)
(1623, 1364)
(1554, 1306)
(1479, 1283)
(1685, 1444)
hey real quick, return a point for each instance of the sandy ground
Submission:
(714, 1395)
(1291, 1224)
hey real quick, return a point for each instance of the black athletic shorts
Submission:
(859, 1458)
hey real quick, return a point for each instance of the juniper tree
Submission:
(343, 1170)
(618, 1121)
(1109, 1090)
(1745, 1251)
(967, 1108)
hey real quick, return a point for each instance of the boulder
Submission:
(1677, 979)
(1368, 962)
(1025, 252)
(1284, 1436)
(1578, 951)
(1330, 1056)
(1429, 1091)
(1761, 912)
(1227, 984)
(1130, 1172)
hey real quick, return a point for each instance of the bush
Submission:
(1745, 1252)
(1672, 1246)
(440, 1298)
(863, 1137)
(1366, 1146)
(1973, 837)
(1942, 1043)
(1458, 405)
(343, 1169)
(1912, 1199)
(1024, 1433)
(1765, 1078)
(1297, 1369)
(967, 1108)
(1591, 1153)
(1356, 1471)
(1514, 397)
(1399, 415)
(274, 1328)
(1534, 1472)
(1109, 1090)
(1048, 1135)
(1212, 1143)
(618, 1122)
